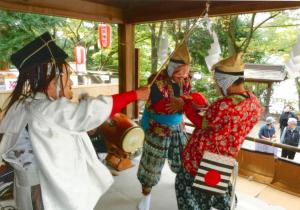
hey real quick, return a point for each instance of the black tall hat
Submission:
(41, 50)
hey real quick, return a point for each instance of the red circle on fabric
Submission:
(212, 177)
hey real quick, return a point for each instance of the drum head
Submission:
(133, 139)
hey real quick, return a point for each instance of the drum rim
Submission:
(125, 133)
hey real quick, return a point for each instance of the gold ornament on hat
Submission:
(182, 54)
(233, 64)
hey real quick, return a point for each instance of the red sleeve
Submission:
(199, 99)
(160, 106)
(192, 114)
(121, 100)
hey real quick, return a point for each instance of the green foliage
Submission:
(85, 33)
(234, 33)
(207, 87)
(143, 42)
(104, 58)
(199, 44)
(264, 39)
(17, 29)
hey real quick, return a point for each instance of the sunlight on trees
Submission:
(263, 36)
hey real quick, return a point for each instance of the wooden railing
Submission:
(249, 138)
(274, 144)
(262, 141)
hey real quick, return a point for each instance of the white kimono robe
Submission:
(69, 173)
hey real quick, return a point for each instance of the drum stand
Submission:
(117, 158)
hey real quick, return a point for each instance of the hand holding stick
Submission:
(143, 92)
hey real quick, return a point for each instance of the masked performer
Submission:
(222, 130)
(163, 123)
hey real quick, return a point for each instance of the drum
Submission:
(123, 133)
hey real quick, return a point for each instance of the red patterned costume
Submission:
(225, 125)
(222, 129)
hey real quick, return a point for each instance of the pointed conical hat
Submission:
(182, 54)
(233, 64)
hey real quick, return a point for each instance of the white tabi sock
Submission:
(144, 204)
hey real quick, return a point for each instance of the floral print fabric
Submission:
(226, 124)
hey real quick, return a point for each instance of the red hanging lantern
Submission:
(79, 52)
(105, 35)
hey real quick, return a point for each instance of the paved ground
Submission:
(125, 194)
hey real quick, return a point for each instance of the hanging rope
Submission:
(204, 13)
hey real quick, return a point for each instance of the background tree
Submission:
(17, 29)
(238, 31)
(105, 58)
(262, 36)
(156, 35)
(85, 33)
(174, 31)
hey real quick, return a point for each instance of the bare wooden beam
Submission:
(165, 10)
(243, 7)
(136, 78)
(141, 11)
(262, 80)
(126, 62)
(79, 9)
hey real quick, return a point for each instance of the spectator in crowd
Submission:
(290, 136)
(267, 132)
(285, 115)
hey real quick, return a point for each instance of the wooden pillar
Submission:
(126, 63)
(268, 98)
(136, 79)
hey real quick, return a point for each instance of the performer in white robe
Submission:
(45, 138)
